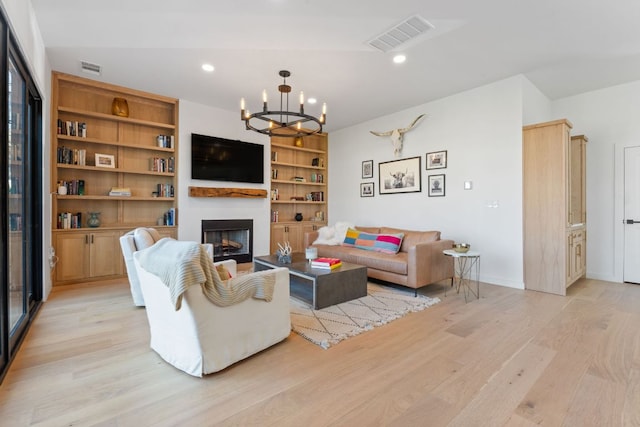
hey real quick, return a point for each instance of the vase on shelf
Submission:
(119, 107)
(94, 219)
(298, 217)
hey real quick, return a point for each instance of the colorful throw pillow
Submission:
(223, 272)
(384, 243)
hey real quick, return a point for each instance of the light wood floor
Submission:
(512, 358)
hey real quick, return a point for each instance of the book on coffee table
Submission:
(327, 263)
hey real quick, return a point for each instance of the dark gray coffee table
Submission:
(320, 288)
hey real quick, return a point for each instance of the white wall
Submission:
(609, 118)
(198, 118)
(25, 28)
(481, 130)
(536, 107)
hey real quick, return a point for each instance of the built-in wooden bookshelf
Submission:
(298, 186)
(95, 153)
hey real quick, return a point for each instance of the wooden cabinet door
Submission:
(576, 254)
(295, 237)
(282, 233)
(278, 235)
(72, 250)
(106, 258)
(577, 180)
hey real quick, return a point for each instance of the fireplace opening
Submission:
(231, 238)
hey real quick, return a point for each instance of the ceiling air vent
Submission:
(402, 33)
(88, 67)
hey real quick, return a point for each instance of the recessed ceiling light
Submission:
(208, 67)
(312, 100)
(399, 59)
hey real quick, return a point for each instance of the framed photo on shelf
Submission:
(437, 160)
(367, 189)
(367, 169)
(105, 161)
(400, 176)
(436, 186)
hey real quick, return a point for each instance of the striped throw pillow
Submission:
(384, 243)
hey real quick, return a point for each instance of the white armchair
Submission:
(133, 241)
(200, 337)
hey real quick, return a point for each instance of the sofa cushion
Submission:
(332, 235)
(373, 230)
(385, 243)
(396, 263)
(412, 238)
(223, 272)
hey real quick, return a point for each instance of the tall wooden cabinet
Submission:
(115, 158)
(298, 186)
(554, 192)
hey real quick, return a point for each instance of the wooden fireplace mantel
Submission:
(251, 193)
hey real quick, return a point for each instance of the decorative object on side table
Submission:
(461, 247)
(284, 253)
(298, 216)
(94, 220)
(119, 107)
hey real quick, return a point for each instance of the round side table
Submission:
(466, 266)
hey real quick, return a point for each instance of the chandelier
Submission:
(282, 122)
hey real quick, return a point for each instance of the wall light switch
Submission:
(468, 185)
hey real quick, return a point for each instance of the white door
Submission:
(632, 215)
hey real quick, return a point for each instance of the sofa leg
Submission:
(415, 293)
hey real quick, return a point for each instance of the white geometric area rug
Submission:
(333, 324)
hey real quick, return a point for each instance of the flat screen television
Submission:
(220, 159)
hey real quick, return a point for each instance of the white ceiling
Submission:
(564, 47)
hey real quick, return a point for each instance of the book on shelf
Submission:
(326, 263)
(72, 128)
(165, 141)
(164, 190)
(120, 191)
(67, 220)
(72, 156)
(169, 217)
(75, 187)
(159, 164)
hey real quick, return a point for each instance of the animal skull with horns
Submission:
(398, 134)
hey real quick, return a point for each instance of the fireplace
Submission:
(231, 238)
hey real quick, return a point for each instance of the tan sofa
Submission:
(419, 262)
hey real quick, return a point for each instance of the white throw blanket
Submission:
(180, 264)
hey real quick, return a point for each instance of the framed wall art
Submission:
(437, 160)
(400, 176)
(367, 169)
(367, 189)
(436, 185)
